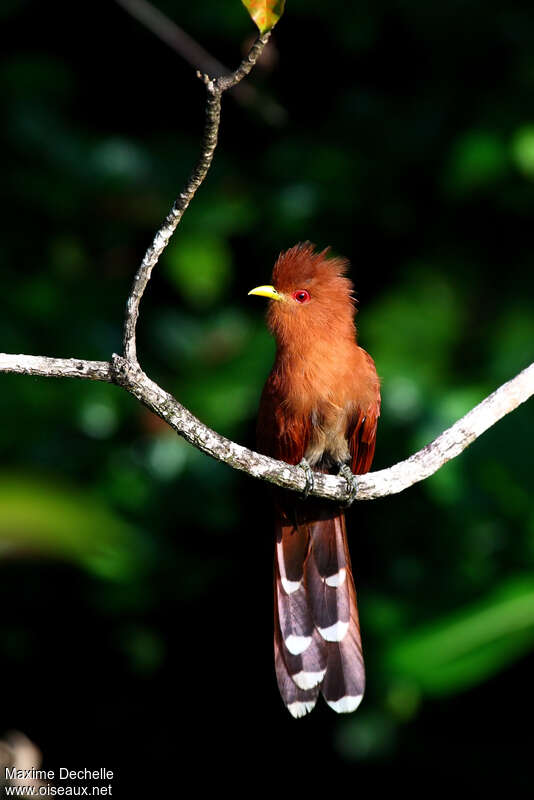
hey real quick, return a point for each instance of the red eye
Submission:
(301, 296)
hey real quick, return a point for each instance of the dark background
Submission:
(135, 573)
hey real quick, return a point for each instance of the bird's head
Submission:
(309, 295)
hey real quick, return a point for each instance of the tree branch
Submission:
(56, 367)
(215, 88)
(371, 486)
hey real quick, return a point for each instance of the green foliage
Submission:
(415, 327)
(523, 149)
(200, 268)
(38, 519)
(466, 648)
(478, 158)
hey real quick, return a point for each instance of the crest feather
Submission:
(301, 263)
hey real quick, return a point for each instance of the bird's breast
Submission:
(321, 393)
(327, 387)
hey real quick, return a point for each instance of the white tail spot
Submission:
(297, 644)
(290, 586)
(338, 579)
(300, 709)
(335, 633)
(307, 680)
(346, 704)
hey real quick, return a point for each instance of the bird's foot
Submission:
(310, 480)
(352, 483)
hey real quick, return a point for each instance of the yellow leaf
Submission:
(265, 13)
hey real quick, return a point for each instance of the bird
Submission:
(319, 409)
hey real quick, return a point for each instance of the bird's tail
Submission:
(317, 643)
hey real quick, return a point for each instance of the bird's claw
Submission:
(352, 483)
(310, 480)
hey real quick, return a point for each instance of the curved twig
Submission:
(215, 88)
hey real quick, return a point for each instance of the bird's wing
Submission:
(280, 434)
(362, 439)
(361, 434)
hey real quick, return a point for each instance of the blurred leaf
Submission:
(447, 486)
(413, 327)
(265, 13)
(470, 645)
(511, 346)
(167, 456)
(403, 398)
(369, 734)
(39, 518)
(221, 213)
(222, 401)
(124, 483)
(523, 150)
(98, 419)
(200, 267)
(508, 495)
(119, 158)
(298, 201)
(479, 158)
(383, 614)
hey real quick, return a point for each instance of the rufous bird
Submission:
(319, 408)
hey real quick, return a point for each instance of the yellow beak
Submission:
(267, 291)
